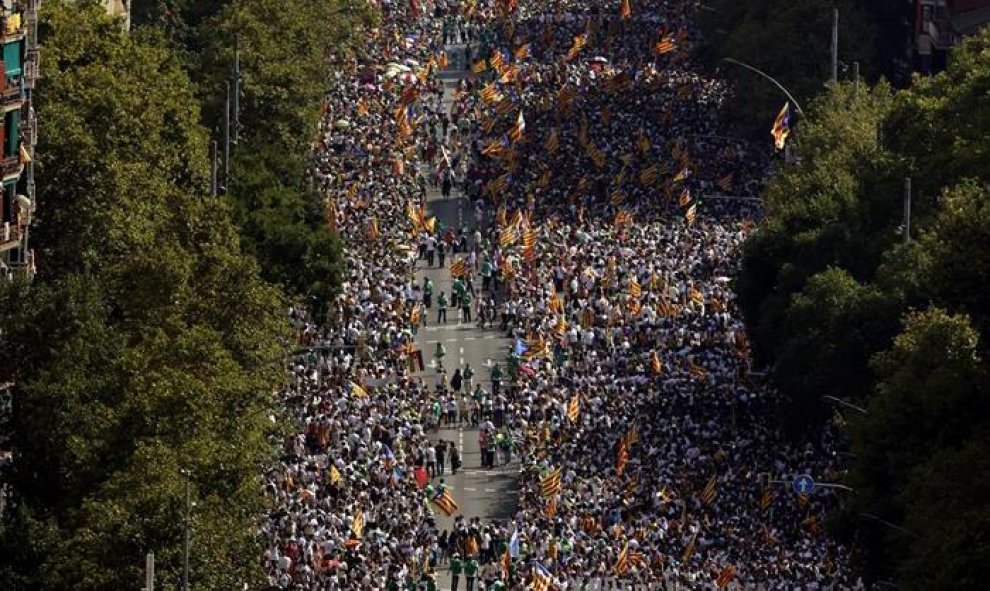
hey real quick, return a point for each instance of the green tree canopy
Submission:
(788, 39)
(839, 304)
(147, 344)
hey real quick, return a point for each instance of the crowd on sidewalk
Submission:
(647, 449)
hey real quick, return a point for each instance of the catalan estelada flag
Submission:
(635, 290)
(656, 366)
(622, 564)
(516, 133)
(458, 268)
(781, 126)
(689, 550)
(665, 45)
(445, 502)
(622, 457)
(708, 495)
(574, 408)
(357, 524)
(625, 11)
(726, 576)
(552, 483)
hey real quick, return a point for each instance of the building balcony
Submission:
(12, 27)
(10, 236)
(11, 166)
(28, 136)
(32, 63)
(11, 94)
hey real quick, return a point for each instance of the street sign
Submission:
(804, 485)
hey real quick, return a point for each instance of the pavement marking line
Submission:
(470, 489)
(490, 490)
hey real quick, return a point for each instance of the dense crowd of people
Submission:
(586, 140)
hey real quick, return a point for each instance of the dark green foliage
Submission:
(283, 47)
(788, 39)
(147, 344)
(840, 306)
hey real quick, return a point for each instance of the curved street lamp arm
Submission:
(797, 105)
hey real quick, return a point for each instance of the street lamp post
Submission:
(185, 552)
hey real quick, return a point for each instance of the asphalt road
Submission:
(489, 494)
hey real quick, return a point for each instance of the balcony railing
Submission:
(32, 62)
(10, 236)
(11, 93)
(11, 166)
(28, 136)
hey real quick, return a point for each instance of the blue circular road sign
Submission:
(804, 485)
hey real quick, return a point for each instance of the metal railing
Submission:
(11, 165)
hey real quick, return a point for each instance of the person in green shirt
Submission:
(468, 376)
(427, 292)
(470, 573)
(496, 378)
(438, 355)
(466, 306)
(486, 275)
(456, 292)
(442, 307)
(456, 568)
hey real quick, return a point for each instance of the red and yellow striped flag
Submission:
(458, 268)
(357, 524)
(553, 141)
(551, 484)
(635, 290)
(574, 408)
(708, 494)
(689, 550)
(622, 457)
(656, 366)
(665, 45)
(726, 576)
(625, 11)
(622, 564)
(445, 502)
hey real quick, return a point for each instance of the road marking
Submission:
(470, 338)
(490, 490)
(469, 489)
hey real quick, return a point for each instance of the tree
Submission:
(148, 342)
(283, 48)
(788, 39)
(959, 246)
(931, 395)
(946, 515)
(825, 280)
(833, 209)
(833, 327)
